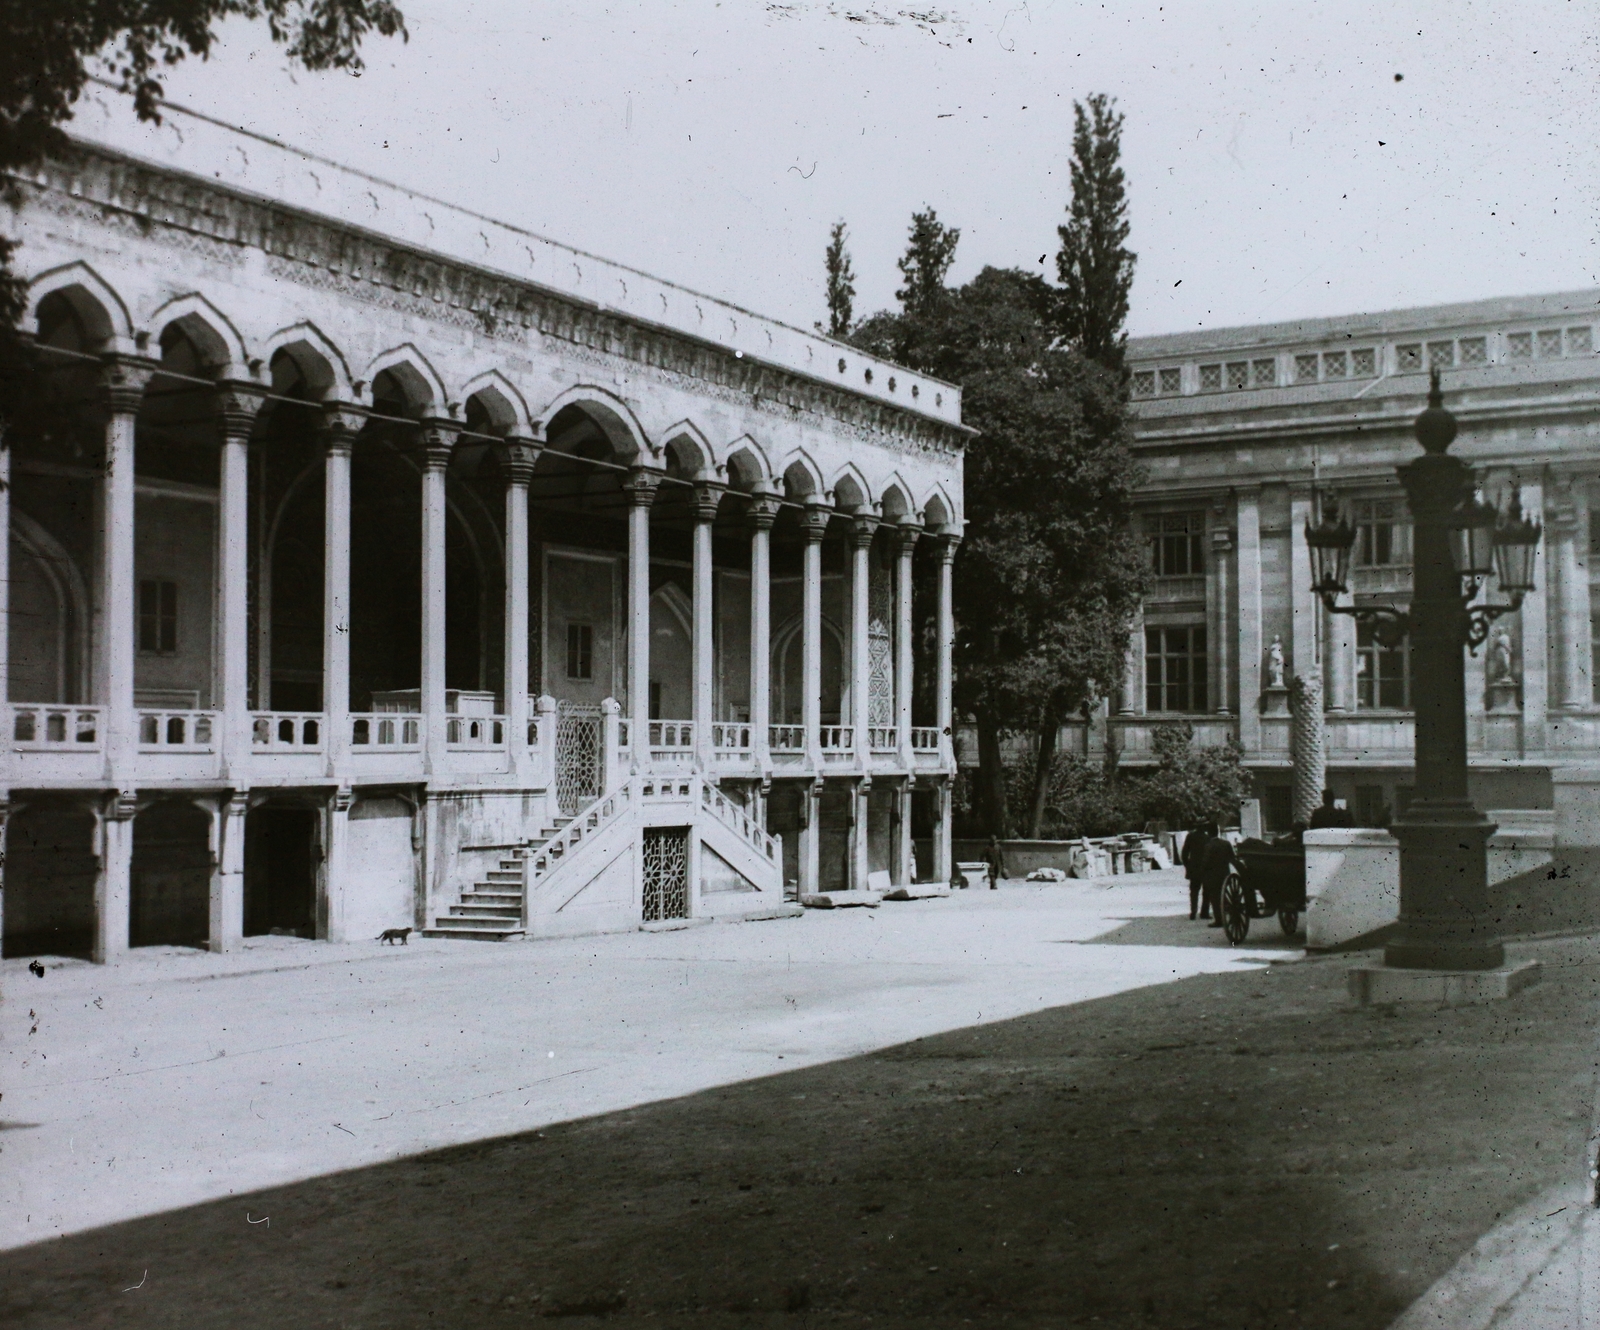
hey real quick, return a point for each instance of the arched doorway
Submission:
(171, 897)
(50, 875)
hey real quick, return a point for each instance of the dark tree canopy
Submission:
(1094, 265)
(841, 284)
(930, 251)
(51, 50)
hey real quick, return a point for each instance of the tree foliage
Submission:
(51, 50)
(1094, 265)
(841, 284)
(926, 262)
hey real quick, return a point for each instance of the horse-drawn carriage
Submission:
(1269, 879)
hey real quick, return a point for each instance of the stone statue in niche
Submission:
(1275, 665)
(1499, 661)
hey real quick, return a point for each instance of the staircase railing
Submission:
(590, 822)
(741, 823)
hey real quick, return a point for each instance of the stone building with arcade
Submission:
(1241, 430)
(374, 564)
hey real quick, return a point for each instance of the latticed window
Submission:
(1264, 373)
(1176, 544)
(1363, 363)
(1441, 355)
(1383, 533)
(1550, 342)
(1210, 378)
(1144, 383)
(1580, 342)
(1305, 369)
(1383, 674)
(1335, 365)
(1238, 375)
(1171, 381)
(1519, 346)
(1408, 358)
(1474, 351)
(158, 617)
(1175, 668)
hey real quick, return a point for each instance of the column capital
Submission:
(703, 502)
(438, 435)
(906, 535)
(863, 526)
(238, 402)
(341, 422)
(122, 382)
(762, 510)
(1222, 540)
(814, 520)
(640, 485)
(122, 806)
(519, 454)
(948, 542)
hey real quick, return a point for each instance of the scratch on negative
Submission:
(805, 175)
(140, 1284)
(344, 1129)
(265, 1219)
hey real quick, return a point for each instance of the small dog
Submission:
(393, 935)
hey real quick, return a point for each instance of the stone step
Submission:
(505, 875)
(462, 930)
(485, 912)
(488, 891)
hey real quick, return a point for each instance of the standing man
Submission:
(997, 863)
(1194, 845)
(1330, 814)
(1215, 862)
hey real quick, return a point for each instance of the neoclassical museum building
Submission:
(1243, 430)
(374, 564)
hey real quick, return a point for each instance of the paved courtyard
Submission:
(180, 1077)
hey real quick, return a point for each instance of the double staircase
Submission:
(491, 910)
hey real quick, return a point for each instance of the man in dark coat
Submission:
(1329, 815)
(1194, 845)
(997, 862)
(1216, 862)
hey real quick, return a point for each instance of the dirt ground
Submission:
(1230, 1150)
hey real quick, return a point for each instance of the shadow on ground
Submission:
(1180, 931)
(1240, 1149)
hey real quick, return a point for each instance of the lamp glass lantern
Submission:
(1515, 542)
(1472, 538)
(1330, 541)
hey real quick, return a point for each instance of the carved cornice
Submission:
(105, 189)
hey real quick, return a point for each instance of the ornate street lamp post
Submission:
(1458, 540)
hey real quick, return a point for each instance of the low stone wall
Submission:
(1023, 856)
(1353, 875)
(1576, 791)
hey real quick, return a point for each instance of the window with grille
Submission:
(1441, 355)
(1519, 346)
(1176, 544)
(1238, 375)
(1335, 365)
(1408, 358)
(1550, 342)
(1383, 674)
(1175, 668)
(1580, 342)
(1171, 381)
(1474, 350)
(1144, 383)
(1210, 378)
(1264, 373)
(1383, 533)
(158, 617)
(1364, 363)
(1305, 369)
(580, 651)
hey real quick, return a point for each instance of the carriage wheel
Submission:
(1289, 921)
(1235, 910)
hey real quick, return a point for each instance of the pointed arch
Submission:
(746, 465)
(850, 489)
(219, 343)
(99, 308)
(613, 416)
(896, 502)
(802, 477)
(689, 449)
(938, 510)
(502, 403)
(321, 364)
(415, 374)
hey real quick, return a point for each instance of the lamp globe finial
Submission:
(1435, 427)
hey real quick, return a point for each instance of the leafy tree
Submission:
(51, 49)
(841, 284)
(1094, 265)
(928, 256)
(1048, 574)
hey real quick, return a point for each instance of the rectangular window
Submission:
(1550, 342)
(1334, 365)
(1210, 378)
(158, 617)
(580, 651)
(1383, 674)
(1264, 373)
(1364, 363)
(1305, 369)
(1279, 807)
(1383, 533)
(1144, 383)
(1580, 342)
(1171, 382)
(1408, 358)
(1441, 355)
(1474, 351)
(1238, 375)
(1519, 346)
(1371, 810)
(1175, 669)
(1176, 544)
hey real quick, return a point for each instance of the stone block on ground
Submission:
(1382, 985)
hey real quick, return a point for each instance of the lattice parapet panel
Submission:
(666, 873)
(580, 732)
(880, 647)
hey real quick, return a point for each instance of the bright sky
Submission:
(1276, 166)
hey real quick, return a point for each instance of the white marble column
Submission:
(763, 512)
(518, 457)
(905, 547)
(237, 407)
(1571, 575)
(640, 485)
(814, 526)
(331, 925)
(948, 544)
(1304, 607)
(943, 839)
(703, 508)
(1533, 620)
(1247, 524)
(1132, 690)
(438, 441)
(113, 886)
(862, 528)
(1218, 605)
(1339, 660)
(900, 872)
(123, 384)
(341, 424)
(227, 880)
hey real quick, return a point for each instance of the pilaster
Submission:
(518, 457)
(439, 437)
(863, 526)
(113, 886)
(949, 542)
(703, 505)
(1218, 604)
(237, 405)
(227, 878)
(640, 485)
(762, 512)
(905, 547)
(814, 526)
(1247, 519)
(340, 425)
